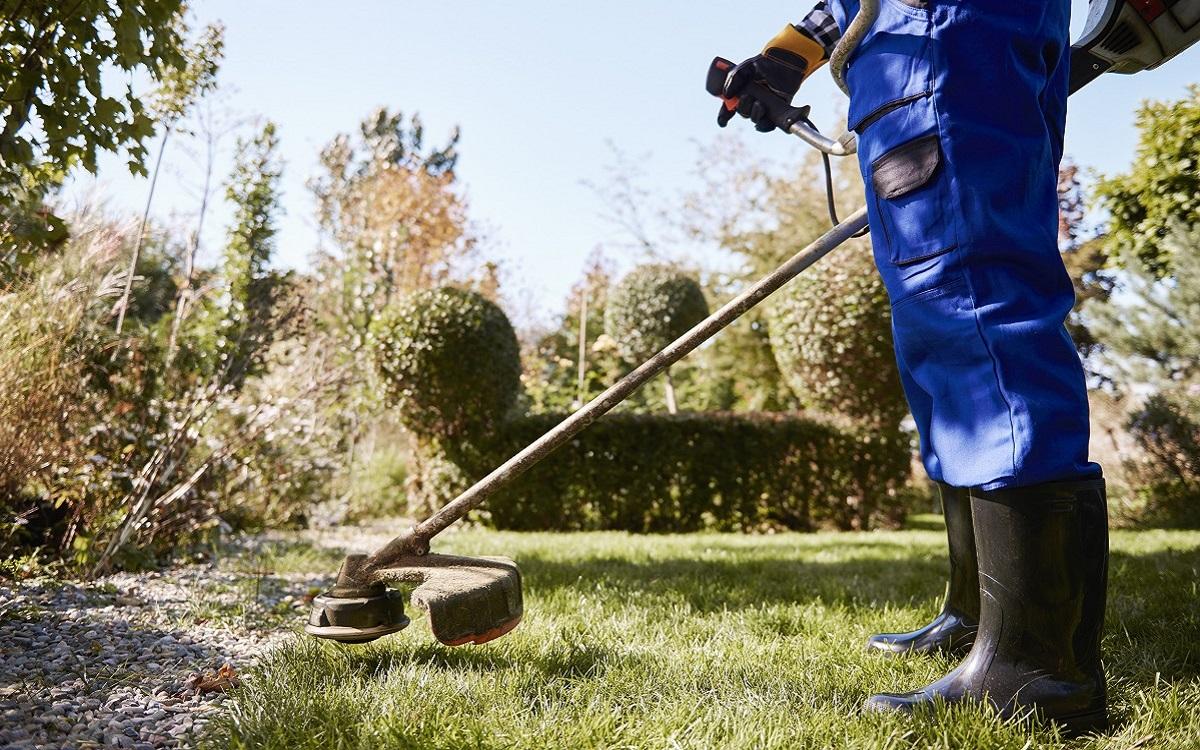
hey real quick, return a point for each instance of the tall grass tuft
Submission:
(47, 341)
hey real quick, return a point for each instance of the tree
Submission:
(56, 111)
(1085, 256)
(178, 91)
(829, 331)
(552, 361)
(650, 308)
(246, 324)
(225, 345)
(1072, 206)
(737, 370)
(778, 209)
(1150, 335)
(392, 209)
(1152, 326)
(1161, 189)
(395, 222)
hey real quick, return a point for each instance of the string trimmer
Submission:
(475, 600)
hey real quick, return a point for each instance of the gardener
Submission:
(959, 109)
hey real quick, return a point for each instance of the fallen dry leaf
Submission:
(224, 680)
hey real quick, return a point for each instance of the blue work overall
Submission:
(960, 107)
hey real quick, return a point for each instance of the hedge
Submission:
(451, 364)
(692, 472)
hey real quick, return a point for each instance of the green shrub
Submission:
(447, 355)
(449, 360)
(831, 333)
(650, 308)
(659, 473)
(1167, 429)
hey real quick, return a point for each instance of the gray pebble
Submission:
(85, 673)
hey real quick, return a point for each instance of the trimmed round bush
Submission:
(450, 361)
(650, 308)
(831, 331)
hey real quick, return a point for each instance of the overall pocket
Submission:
(912, 200)
(892, 81)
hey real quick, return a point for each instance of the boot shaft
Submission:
(1043, 571)
(962, 597)
(1043, 566)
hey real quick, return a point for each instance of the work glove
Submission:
(784, 64)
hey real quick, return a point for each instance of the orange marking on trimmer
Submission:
(479, 639)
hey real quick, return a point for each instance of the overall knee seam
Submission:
(987, 346)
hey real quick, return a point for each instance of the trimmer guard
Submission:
(470, 600)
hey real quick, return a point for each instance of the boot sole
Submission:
(1089, 722)
(957, 649)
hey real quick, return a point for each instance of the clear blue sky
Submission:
(540, 89)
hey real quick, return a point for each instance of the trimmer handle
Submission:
(790, 119)
(783, 114)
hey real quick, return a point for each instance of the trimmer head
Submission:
(358, 619)
(468, 599)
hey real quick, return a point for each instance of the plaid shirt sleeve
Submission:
(820, 25)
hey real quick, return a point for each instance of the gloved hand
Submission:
(784, 64)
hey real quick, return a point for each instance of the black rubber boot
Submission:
(1043, 565)
(953, 631)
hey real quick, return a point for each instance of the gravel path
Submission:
(135, 661)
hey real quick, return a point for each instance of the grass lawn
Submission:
(714, 641)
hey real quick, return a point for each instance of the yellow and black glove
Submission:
(788, 59)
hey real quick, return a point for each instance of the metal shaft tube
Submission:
(844, 146)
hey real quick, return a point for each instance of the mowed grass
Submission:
(714, 641)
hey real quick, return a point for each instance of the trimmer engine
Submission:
(1129, 36)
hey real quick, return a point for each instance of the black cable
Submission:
(830, 198)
